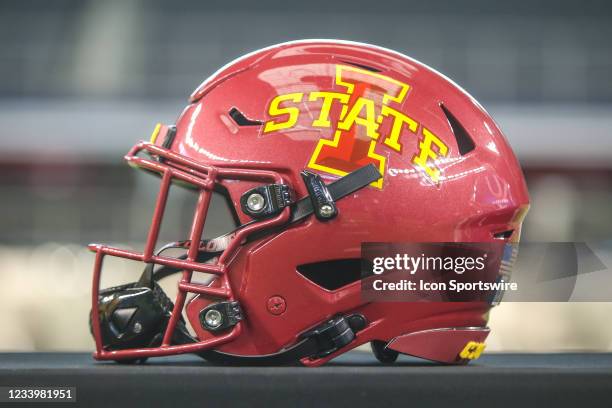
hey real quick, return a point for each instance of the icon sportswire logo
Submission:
(366, 100)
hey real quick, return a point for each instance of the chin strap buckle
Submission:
(335, 333)
(323, 203)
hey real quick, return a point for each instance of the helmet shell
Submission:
(453, 195)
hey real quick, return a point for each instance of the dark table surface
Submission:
(355, 379)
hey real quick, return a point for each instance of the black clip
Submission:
(264, 201)
(336, 333)
(170, 134)
(169, 138)
(220, 316)
(323, 204)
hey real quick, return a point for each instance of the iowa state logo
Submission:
(368, 99)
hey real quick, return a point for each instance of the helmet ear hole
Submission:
(382, 353)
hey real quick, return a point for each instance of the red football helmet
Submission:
(319, 146)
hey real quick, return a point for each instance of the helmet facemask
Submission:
(106, 308)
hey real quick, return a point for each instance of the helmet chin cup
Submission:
(134, 316)
(129, 317)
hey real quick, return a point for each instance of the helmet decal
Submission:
(367, 99)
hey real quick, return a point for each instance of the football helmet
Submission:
(318, 146)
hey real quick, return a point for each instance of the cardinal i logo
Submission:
(368, 100)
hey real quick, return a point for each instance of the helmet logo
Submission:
(366, 101)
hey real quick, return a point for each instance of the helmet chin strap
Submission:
(318, 342)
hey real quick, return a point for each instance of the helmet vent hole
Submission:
(334, 274)
(503, 235)
(362, 66)
(464, 141)
(241, 119)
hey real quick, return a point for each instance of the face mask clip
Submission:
(221, 316)
(265, 201)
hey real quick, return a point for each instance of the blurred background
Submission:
(82, 81)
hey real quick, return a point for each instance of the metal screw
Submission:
(326, 211)
(137, 327)
(276, 305)
(213, 318)
(255, 202)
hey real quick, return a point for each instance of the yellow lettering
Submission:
(427, 152)
(275, 110)
(328, 99)
(353, 117)
(399, 119)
